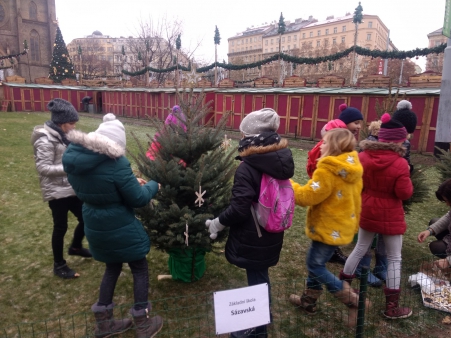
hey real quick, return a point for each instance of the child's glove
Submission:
(214, 227)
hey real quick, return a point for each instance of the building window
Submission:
(295, 37)
(289, 38)
(368, 37)
(335, 29)
(283, 39)
(311, 34)
(33, 11)
(310, 43)
(266, 42)
(233, 42)
(271, 49)
(334, 41)
(272, 41)
(342, 39)
(294, 46)
(246, 40)
(370, 24)
(288, 47)
(233, 50)
(327, 31)
(319, 33)
(34, 46)
(318, 43)
(255, 39)
(266, 50)
(343, 29)
(303, 35)
(326, 42)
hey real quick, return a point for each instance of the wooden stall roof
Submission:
(105, 89)
(426, 79)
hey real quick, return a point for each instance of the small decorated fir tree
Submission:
(194, 166)
(61, 66)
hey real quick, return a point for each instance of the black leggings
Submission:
(60, 209)
(438, 247)
(140, 272)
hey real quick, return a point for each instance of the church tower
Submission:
(34, 21)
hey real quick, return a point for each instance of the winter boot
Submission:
(351, 299)
(145, 326)
(392, 309)
(338, 257)
(372, 279)
(307, 301)
(348, 278)
(106, 326)
(380, 269)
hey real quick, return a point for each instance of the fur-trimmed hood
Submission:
(97, 143)
(275, 160)
(89, 151)
(372, 145)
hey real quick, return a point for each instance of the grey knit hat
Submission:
(62, 111)
(113, 129)
(259, 121)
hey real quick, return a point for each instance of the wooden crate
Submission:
(263, 82)
(168, 84)
(69, 82)
(113, 83)
(15, 79)
(154, 84)
(425, 80)
(203, 83)
(294, 81)
(226, 83)
(374, 81)
(331, 81)
(128, 84)
(93, 83)
(43, 80)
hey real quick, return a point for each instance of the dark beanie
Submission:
(405, 116)
(349, 114)
(391, 130)
(62, 111)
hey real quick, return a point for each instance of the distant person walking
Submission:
(50, 142)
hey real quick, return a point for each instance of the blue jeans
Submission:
(317, 257)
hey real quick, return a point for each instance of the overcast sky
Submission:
(409, 21)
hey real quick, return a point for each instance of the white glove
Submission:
(214, 227)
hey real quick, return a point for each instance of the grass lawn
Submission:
(33, 302)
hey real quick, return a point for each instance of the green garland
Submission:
(374, 53)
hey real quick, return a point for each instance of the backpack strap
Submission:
(256, 222)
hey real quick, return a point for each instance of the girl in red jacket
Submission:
(386, 183)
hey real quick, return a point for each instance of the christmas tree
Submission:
(194, 165)
(61, 66)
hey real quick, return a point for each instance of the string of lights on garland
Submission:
(3, 57)
(374, 53)
(245, 81)
(8, 67)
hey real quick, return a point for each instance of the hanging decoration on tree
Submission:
(226, 143)
(199, 195)
(192, 77)
(186, 235)
(61, 66)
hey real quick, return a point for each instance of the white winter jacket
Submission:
(48, 152)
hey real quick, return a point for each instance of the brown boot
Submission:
(392, 309)
(351, 299)
(106, 326)
(307, 301)
(146, 327)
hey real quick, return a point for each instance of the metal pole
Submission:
(359, 331)
(386, 60)
(400, 74)
(443, 134)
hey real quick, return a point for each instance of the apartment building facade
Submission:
(307, 34)
(434, 62)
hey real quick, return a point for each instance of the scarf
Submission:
(261, 140)
(55, 127)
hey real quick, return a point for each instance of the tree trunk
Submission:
(351, 80)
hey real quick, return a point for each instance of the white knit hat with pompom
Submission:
(113, 129)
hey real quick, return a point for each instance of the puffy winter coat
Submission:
(386, 183)
(333, 198)
(48, 152)
(244, 248)
(103, 179)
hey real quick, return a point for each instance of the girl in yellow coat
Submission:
(334, 202)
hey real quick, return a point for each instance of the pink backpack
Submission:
(275, 207)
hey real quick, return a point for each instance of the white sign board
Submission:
(240, 309)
